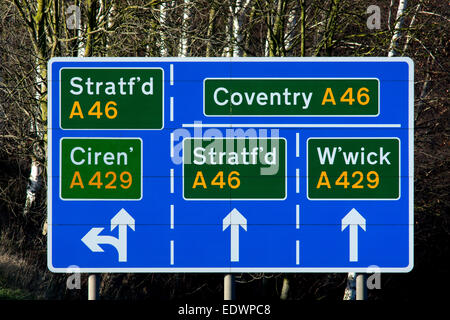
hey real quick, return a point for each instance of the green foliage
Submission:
(13, 294)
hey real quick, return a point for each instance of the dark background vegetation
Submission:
(33, 31)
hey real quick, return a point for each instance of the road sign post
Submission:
(93, 286)
(228, 287)
(361, 286)
(230, 165)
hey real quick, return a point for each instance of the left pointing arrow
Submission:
(92, 239)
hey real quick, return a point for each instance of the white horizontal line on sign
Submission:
(247, 125)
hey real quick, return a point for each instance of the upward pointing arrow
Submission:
(122, 219)
(353, 219)
(233, 220)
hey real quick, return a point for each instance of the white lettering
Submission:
(148, 84)
(76, 85)
(323, 156)
(215, 96)
(77, 163)
(198, 153)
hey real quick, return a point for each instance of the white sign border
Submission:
(405, 269)
(291, 115)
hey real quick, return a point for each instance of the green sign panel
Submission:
(101, 169)
(353, 168)
(112, 98)
(234, 168)
(291, 97)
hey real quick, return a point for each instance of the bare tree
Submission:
(237, 10)
(401, 10)
(36, 16)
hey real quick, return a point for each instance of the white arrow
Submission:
(92, 239)
(233, 220)
(122, 219)
(353, 219)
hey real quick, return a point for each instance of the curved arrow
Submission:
(92, 239)
(122, 220)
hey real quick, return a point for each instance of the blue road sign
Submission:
(230, 165)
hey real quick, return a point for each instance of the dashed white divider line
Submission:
(297, 216)
(172, 254)
(171, 181)
(297, 252)
(172, 184)
(171, 108)
(171, 145)
(297, 145)
(297, 180)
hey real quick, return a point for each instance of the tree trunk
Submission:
(285, 289)
(326, 42)
(302, 28)
(350, 290)
(91, 25)
(234, 28)
(248, 33)
(413, 20)
(393, 48)
(211, 29)
(183, 47)
(38, 126)
(291, 29)
(162, 22)
(277, 43)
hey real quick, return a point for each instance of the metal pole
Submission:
(92, 287)
(361, 286)
(228, 287)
